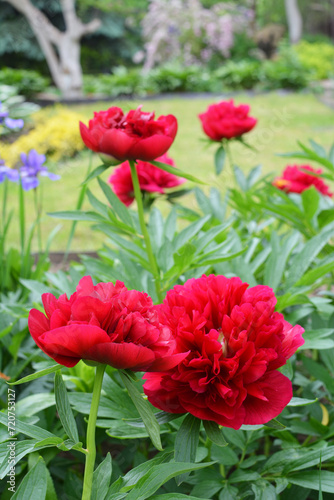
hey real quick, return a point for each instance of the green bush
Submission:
(27, 82)
(239, 75)
(317, 57)
(285, 72)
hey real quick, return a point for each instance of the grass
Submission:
(283, 119)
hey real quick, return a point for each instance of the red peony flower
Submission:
(134, 136)
(226, 121)
(295, 180)
(105, 323)
(236, 343)
(151, 179)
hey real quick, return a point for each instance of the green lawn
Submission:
(283, 119)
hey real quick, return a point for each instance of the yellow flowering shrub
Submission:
(55, 134)
(317, 57)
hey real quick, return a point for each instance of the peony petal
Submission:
(150, 148)
(74, 340)
(87, 138)
(116, 143)
(277, 389)
(167, 362)
(122, 356)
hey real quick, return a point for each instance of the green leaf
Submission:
(214, 433)
(95, 173)
(64, 409)
(318, 272)
(120, 209)
(34, 484)
(30, 430)
(275, 424)
(77, 215)
(186, 442)
(276, 263)
(132, 477)
(311, 479)
(174, 496)
(263, 490)
(144, 409)
(159, 475)
(310, 199)
(220, 156)
(176, 171)
(101, 479)
(301, 402)
(302, 260)
(34, 376)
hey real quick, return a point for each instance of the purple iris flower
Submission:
(33, 167)
(12, 124)
(9, 173)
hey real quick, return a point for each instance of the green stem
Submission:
(22, 218)
(78, 207)
(90, 444)
(149, 251)
(229, 154)
(38, 221)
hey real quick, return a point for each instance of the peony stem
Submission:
(151, 258)
(78, 207)
(90, 443)
(229, 155)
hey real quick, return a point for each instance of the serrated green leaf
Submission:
(144, 410)
(34, 484)
(64, 408)
(36, 375)
(214, 433)
(101, 479)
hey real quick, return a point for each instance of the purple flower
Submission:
(33, 167)
(12, 124)
(8, 173)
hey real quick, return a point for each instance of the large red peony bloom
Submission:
(236, 343)
(105, 323)
(134, 136)
(151, 179)
(295, 180)
(226, 121)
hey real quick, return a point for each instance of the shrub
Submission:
(286, 71)
(239, 75)
(318, 58)
(27, 82)
(56, 133)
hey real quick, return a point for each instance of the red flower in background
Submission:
(105, 323)
(236, 343)
(295, 180)
(134, 136)
(151, 179)
(226, 121)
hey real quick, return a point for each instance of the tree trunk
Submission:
(294, 18)
(61, 48)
